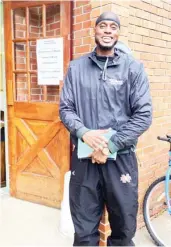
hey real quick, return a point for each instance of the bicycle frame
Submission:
(167, 182)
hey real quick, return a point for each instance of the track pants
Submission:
(114, 184)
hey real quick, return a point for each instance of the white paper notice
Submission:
(49, 61)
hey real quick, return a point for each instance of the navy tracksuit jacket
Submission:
(93, 97)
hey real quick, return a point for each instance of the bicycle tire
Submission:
(146, 220)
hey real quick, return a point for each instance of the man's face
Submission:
(106, 34)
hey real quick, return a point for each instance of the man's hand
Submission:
(98, 157)
(95, 140)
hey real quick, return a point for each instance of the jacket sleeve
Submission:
(67, 109)
(141, 119)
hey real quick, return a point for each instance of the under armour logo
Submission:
(73, 173)
(125, 178)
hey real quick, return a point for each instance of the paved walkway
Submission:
(27, 224)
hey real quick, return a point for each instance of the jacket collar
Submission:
(116, 58)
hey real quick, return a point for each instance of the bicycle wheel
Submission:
(156, 217)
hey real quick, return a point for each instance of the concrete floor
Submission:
(27, 224)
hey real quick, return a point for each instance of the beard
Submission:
(105, 48)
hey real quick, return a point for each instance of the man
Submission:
(105, 89)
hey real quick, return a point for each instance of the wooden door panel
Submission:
(42, 159)
(38, 167)
(36, 111)
(22, 145)
(35, 125)
(39, 144)
(39, 189)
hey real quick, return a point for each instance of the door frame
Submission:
(6, 188)
(9, 98)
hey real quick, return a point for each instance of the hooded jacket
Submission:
(116, 96)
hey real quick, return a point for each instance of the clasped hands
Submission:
(96, 140)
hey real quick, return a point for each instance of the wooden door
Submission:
(39, 146)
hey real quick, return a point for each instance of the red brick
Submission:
(87, 8)
(51, 98)
(21, 91)
(81, 3)
(50, 33)
(82, 33)
(19, 20)
(95, 13)
(36, 91)
(102, 243)
(81, 18)
(21, 78)
(50, 20)
(57, 31)
(57, 17)
(33, 79)
(33, 60)
(20, 60)
(82, 49)
(21, 98)
(20, 12)
(35, 97)
(78, 26)
(54, 26)
(78, 11)
(20, 27)
(87, 40)
(77, 42)
(104, 227)
(34, 35)
(20, 66)
(21, 85)
(76, 56)
(93, 21)
(19, 34)
(33, 66)
(34, 30)
(87, 24)
(103, 236)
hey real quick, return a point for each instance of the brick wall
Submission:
(35, 31)
(146, 28)
(150, 41)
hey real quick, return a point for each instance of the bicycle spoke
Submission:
(156, 213)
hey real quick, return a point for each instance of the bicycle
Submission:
(157, 205)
